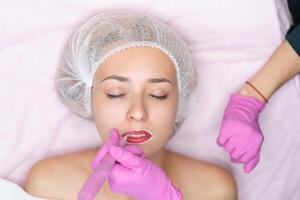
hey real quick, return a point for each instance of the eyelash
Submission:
(119, 96)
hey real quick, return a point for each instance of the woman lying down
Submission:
(132, 75)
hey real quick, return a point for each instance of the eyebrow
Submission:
(125, 79)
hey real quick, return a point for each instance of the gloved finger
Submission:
(235, 156)
(251, 164)
(222, 137)
(237, 153)
(114, 138)
(249, 155)
(231, 158)
(137, 150)
(124, 157)
(231, 144)
(227, 130)
(235, 160)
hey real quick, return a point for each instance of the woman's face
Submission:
(136, 89)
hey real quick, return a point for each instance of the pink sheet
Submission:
(229, 40)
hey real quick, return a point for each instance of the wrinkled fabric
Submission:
(228, 43)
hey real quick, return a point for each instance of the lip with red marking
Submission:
(137, 136)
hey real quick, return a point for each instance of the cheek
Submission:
(164, 120)
(104, 108)
(161, 138)
(166, 111)
(106, 116)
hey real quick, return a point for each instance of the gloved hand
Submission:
(114, 139)
(240, 133)
(102, 165)
(139, 177)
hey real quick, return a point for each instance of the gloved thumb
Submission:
(249, 166)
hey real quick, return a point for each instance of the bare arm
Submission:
(283, 65)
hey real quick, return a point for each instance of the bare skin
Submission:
(62, 177)
(283, 65)
(133, 89)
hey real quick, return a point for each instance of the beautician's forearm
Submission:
(283, 65)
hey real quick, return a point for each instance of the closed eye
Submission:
(154, 96)
(160, 97)
(114, 96)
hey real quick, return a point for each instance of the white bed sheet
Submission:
(12, 191)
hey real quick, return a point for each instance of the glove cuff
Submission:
(243, 107)
(252, 102)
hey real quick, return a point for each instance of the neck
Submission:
(159, 158)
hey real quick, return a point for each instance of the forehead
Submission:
(138, 63)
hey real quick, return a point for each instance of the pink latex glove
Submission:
(140, 178)
(240, 133)
(102, 166)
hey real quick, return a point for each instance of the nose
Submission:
(137, 111)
